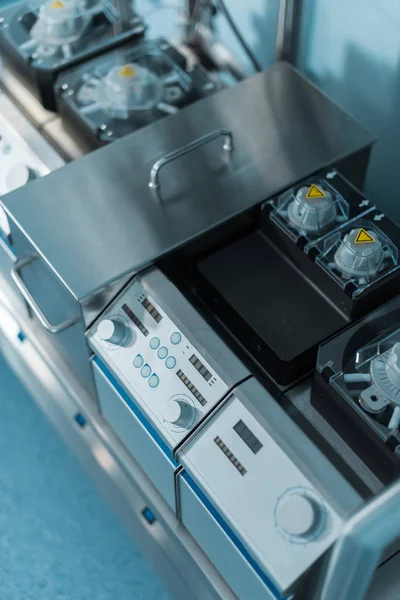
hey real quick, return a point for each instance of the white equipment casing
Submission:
(160, 370)
(259, 497)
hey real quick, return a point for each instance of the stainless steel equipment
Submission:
(160, 370)
(106, 227)
(260, 498)
(306, 133)
(170, 548)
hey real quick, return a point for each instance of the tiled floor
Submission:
(58, 538)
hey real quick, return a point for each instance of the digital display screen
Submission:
(135, 320)
(191, 387)
(200, 367)
(248, 437)
(230, 455)
(151, 310)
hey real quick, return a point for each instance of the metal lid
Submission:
(106, 222)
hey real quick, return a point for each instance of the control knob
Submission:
(114, 332)
(179, 412)
(18, 176)
(298, 515)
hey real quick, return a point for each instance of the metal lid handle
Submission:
(16, 276)
(228, 147)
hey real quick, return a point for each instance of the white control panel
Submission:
(24, 153)
(156, 351)
(260, 490)
(18, 163)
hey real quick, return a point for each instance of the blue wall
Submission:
(351, 49)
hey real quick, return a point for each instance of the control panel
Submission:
(19, 164)
(157, 345)
(24, 154)
(281, 497)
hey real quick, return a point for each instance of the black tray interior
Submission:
(269, 298)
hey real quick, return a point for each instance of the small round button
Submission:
(154, 381)
(18, 176)
(178, 412)
(162, 352)
(146, 370)
(154, 343)
(170, 362)
(296, 515)
(175, 338)
(138, 361)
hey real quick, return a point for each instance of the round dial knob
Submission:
(297, 515)
(18, 176)
(178, 412)
(113, 332)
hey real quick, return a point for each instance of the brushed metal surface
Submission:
(96, 219)
(359, 551)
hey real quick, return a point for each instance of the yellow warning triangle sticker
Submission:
(363, 237)
(58, 4)
(127, 71)
(315, 192)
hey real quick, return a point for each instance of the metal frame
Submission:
(288, 30)
(31, 302)
(358, 552)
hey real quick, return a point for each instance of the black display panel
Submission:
(248, 437)
(230, 455)
(151, 310)
(204, 372)
(191, 387)
(135, 320)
